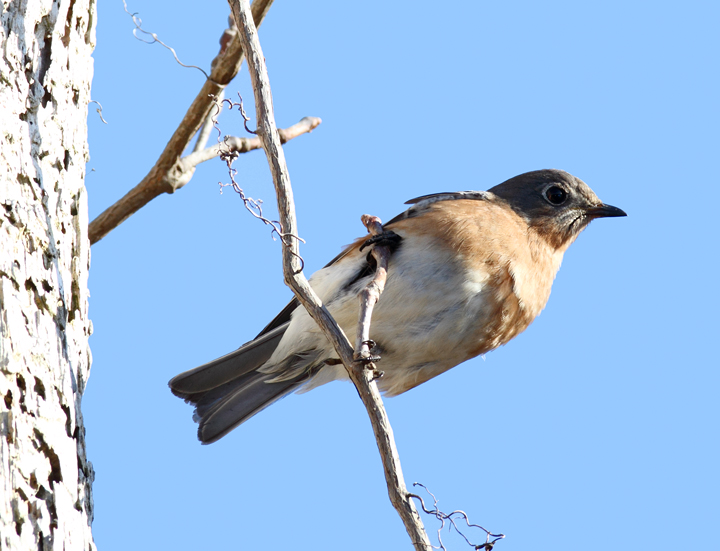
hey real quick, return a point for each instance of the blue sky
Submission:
(597, 425)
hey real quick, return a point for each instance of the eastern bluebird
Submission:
(471, 270)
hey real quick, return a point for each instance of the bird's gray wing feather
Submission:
(284, 316)
(421, 204)
(449, 196)
(281, 319)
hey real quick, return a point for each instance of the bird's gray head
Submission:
(556, 204)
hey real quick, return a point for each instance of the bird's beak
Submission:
(604, 211)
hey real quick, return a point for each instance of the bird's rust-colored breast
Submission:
(496, 245)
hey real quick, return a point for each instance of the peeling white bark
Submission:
(45, 73)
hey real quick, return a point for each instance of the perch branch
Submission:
(294, 278)
(160, 179)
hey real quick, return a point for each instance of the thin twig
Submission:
(138, 28)
(241, 108)
(295, 279)
(208, 125)
(99, 109)
(254, 206)
(159, 180)
(487, 545)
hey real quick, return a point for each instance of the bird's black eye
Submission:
(556, 195)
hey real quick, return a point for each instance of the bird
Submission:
(469, 271)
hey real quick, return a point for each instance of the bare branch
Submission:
(181, 173)
(295, 279)
(159, 180)
(243, 145)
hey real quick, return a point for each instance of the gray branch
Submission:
(294, 278)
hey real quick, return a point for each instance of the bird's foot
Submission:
(364, 355)
(368, 360)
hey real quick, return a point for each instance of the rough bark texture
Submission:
(45, 72)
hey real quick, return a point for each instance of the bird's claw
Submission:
(376, 374)
(365, 360)
(363, 355)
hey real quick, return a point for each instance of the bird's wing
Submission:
(284, 316)
(281, 319)
(420, 204)
(449, 196)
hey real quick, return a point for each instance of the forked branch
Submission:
(172, 171)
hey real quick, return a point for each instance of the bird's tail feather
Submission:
(228, 391)
(222, 409)
(211, 375)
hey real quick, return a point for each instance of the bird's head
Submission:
(554, 203)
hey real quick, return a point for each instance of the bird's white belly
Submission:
(430, 309)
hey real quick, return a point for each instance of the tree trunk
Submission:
(45, 72)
